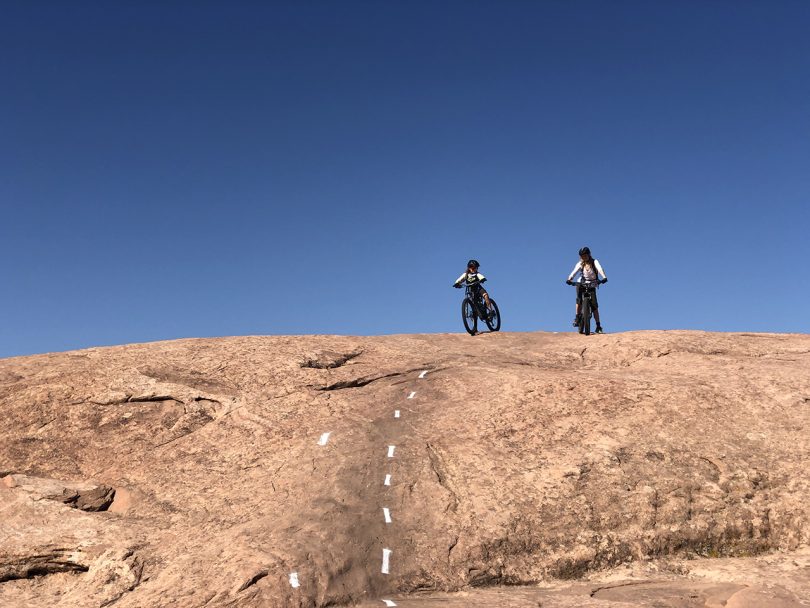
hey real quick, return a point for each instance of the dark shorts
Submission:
(594, 301)
(477, 290)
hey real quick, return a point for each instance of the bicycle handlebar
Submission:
(468, 284)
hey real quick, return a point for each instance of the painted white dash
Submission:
(391, 449)
(396, 413)
(324, 438)
(387, 515)
(389, 603)
(412, 395)
(294, 580)
(387, 481)
(386, 565)
(422, 375)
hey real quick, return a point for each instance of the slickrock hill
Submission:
(638, 469)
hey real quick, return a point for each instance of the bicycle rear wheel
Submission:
(585, 323)
(469, 317)
(494, 319)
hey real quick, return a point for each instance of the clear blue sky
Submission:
(178, 169)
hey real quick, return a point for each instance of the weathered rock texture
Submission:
(189, 473)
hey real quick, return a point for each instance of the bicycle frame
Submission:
(584, 314)
(588, 287)
(473, 292)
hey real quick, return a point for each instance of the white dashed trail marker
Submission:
(324, 438)
(387, 481)
(389, 603)
(412, 395)
(396, 413)
(391, 449)
(422, 375)
(386, 565)
(387, 515)
(294, 580)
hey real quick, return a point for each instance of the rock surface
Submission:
(638, 469)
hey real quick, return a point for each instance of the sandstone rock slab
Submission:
(519, 460)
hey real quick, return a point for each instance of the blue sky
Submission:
(180, 169)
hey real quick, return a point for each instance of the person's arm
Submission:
(574, 271)
(598, 267)
(460, 279)
(481, 278)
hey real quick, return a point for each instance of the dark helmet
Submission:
(473, 263)
(585, 251)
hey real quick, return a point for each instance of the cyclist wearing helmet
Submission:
(472, 278)
(589, 270)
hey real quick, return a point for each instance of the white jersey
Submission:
(471, 278)
(587, 273)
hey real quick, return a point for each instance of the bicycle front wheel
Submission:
(585, 323)
(469, 317)
(494, 319)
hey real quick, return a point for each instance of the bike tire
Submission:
(469, 316)
(494, 319)
(585, 327)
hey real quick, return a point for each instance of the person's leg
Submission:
(481, 293)
(578, 306)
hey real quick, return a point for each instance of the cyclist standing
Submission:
(473, 279)
(589, 270)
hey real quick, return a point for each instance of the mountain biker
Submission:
(589, 270)
(473, 279)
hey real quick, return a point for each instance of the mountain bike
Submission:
(586, 308)
(473, 308)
